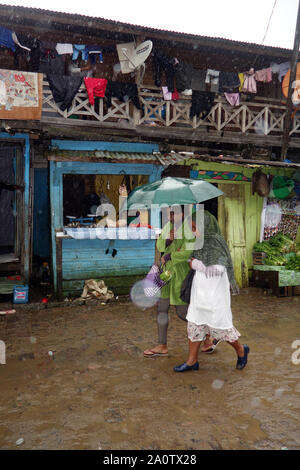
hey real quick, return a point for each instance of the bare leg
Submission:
(239, 348)
(194, 347)
(162, 326)
(207, 342)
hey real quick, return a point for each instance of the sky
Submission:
(240, 20)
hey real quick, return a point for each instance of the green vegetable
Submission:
(282, 243)
(293, 264)
(165, 275)
(274, 260)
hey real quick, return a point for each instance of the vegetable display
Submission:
(281, 250)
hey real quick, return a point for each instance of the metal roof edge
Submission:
(236, 161)
(147, 29)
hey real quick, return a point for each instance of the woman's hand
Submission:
(123, 190)
(190, 262)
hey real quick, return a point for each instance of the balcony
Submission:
(259, 121)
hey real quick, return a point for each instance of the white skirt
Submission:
(209, 311)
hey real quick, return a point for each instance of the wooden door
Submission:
(231, 217)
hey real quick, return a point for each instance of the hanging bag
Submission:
(186, 287)
(156, 278)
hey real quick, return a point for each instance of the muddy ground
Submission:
(97, 391)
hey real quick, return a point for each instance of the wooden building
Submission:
(95, 147)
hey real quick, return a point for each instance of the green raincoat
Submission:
(181, 250)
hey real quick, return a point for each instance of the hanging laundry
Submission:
(212, 77)
(64, 48)
(77, 49)
(50, 63)
(95, 87)
(281, 69)
(264, 75)
(168, 96)
(16, 41)
(175, 95)
(229, 82)
(3, 93)
(93, 52)
(198, 80)
(29, 43)
(163, 63)
(202, 102)
(183, 76)
(64, 89)
(233, 98)
(166, 93)
(123, 92)
(6, 38)
(249, 85)
(241, 79)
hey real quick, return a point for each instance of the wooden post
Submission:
(289, 105)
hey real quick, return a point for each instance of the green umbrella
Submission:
(172, 191)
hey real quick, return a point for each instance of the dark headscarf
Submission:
(215, 249)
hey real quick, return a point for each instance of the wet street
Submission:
(97, 391)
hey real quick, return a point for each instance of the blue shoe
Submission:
(184, 367)
(242, 361)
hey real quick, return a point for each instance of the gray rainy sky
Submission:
(231, 19)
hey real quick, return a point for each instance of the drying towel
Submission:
(64, 48)
(249, 82)
(95, 87)
(202, 102)
(64, 89)
(263, 75)
(6, 38)
(123, 92)
(228, 82)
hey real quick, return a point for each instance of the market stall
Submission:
(276, 257)
(87, 243)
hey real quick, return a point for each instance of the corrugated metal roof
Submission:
(171, 158)
(145, 28)
(155, 157)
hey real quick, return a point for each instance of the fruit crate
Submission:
(257, 258)
(277, 280)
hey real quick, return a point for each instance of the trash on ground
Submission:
(7, 312)
(96, 289)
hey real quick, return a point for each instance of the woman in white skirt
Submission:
(209, 312)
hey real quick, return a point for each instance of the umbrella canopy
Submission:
(172, 191)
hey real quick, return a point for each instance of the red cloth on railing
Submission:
(95, 87)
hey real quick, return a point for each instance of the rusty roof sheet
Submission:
(146, 28)
(155, 157)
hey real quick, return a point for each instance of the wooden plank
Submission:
(59, 273)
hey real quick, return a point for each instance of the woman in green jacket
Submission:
(176, 244)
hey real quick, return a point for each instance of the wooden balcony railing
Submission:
(261, 116)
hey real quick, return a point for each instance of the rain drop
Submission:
(255, 402)
(279, 392)
(217, 384)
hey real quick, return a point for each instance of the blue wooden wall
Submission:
(41, 219)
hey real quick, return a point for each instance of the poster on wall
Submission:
(21, 95)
